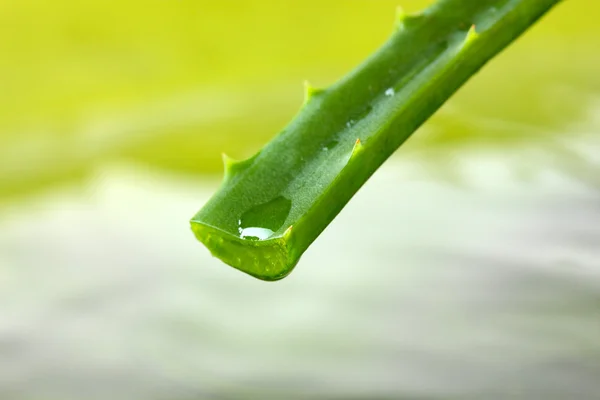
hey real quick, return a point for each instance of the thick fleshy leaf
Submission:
(271, 207)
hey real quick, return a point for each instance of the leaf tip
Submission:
(472, 35)
(233, 166)
(358, 147)
(227, 160)
(228, 163)
(310, 91)
(288, 232)
(404, 19)
(400, 14)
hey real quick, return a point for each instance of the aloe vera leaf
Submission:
(271, 207)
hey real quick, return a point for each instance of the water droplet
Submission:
(390, 92)
(350, 123)
(256, 233)
(261, 221)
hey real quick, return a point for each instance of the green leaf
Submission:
(271, 207)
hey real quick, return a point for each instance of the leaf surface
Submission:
(271, 207)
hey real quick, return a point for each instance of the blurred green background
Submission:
(467, 268)
(173, 84)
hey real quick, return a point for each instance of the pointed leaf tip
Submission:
(403, 19)
(233, 166)
(288, 232)
(310, 91)
(228, 164)
(358, 147)
(400, 14)
(472, 34)
(227, 160)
